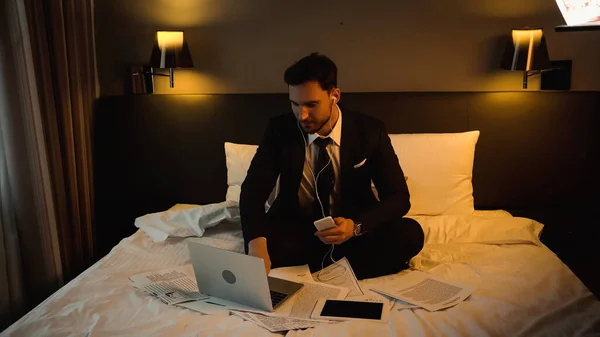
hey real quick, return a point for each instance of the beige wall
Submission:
(244, 46)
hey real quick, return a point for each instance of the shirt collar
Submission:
(335, 134)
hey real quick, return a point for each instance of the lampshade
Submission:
(170, 51)
(527, 51)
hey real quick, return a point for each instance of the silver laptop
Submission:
(238, 278)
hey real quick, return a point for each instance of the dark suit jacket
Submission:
(281, 153)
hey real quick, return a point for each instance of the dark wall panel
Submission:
(537, 149)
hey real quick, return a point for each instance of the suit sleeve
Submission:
(260, 180)
(390, 183)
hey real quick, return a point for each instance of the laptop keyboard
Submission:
(276, 298)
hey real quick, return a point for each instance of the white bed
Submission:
(521, 289)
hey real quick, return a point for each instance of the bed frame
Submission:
(537, 155)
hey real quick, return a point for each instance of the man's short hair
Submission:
(314, 67)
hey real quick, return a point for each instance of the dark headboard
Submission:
(536, 150)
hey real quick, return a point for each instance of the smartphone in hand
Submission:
(325, 223)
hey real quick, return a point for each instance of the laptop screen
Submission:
(580, 12)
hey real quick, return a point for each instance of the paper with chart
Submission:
(340, 274)
(279, 324)
(172, 285)
(426, 290)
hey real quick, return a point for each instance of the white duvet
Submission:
(521, 289)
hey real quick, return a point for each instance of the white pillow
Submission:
(439, 168)
(480, 229)
(237, 158)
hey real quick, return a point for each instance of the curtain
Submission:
(47, 88)
(30, 266)
(12, 302)
(62, 35)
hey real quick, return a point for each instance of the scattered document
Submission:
(279, 324)
(303, 302)
(400, 304)
(178, 296)
(170, 274)
(427, 291)
(205, 307)
(372, 296)
(240, 307)
(172, 286)
(340, 274)
(177, 291)
(300, 305)
(295, 274)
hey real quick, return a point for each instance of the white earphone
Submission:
(315, 179)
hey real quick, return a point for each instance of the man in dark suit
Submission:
(326, 160)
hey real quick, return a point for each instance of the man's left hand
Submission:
(343, 231)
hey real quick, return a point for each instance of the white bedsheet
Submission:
(522, 289)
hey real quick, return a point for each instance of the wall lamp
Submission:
(170, 51)
(527, 52)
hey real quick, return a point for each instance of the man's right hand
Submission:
(258, 247)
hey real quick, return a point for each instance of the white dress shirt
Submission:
(306, 192)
